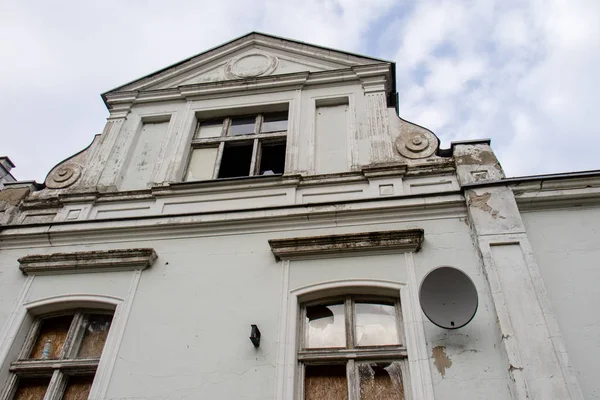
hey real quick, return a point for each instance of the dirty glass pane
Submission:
(380, 381)
(95, 331)
(275, 122)
(375, 324)
(325, 382)
(202, 164)
(242, 126)
(325, 326)
(51, 338)
(32, 388)
(210, 128)
(78, 388)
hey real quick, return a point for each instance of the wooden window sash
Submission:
(218, 139)
(351, 355)
(257, 138)
(41, 367)
(58, 369)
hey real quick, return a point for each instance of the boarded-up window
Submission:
(81, 335)
(382, 381)
(95, 330)
(51, 338)
(78, 388)
(325, 382)
(32, 388)
(342, 347)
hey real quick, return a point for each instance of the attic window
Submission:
(238, 146)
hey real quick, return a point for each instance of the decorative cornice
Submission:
(87, 261)
(254, 40)
(374, 78)
(314, 247)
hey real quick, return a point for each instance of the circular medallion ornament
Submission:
(416, 143)
(250, 66)
(63, 176)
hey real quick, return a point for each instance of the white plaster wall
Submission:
(187, 333)
(478, 366)
(12, 282)
(566, 248)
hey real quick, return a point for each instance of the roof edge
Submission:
(239, 38)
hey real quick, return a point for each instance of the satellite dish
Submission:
(448, 297)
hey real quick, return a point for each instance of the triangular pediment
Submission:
(250, 56)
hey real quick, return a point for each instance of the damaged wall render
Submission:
(270, 182)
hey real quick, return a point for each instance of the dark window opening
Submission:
(236, 160)
(272, 160)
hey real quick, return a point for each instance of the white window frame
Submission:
(351, 355)
(287, 367)
(58, 370)
(256, 137)
(13, 336)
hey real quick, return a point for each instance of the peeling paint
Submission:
(481, 202)
(441, 360)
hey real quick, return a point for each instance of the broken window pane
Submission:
(325, 382)
(325, 326)
(236, 160)
(78, 388)
(212, 128)
(242, 126)
(275, 122)
(31, 388)
(94, 336)
(375, 324)
(272, 160)
(51, 337)
(381, 381)
(202, 164)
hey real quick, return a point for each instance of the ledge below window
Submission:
(87, 261)
(315, 247)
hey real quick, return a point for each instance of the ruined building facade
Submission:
(269, 182)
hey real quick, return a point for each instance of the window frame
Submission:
(351, 355)
(257, 137)
(60, 369)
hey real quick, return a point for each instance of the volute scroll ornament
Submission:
(415, 142)
(63, 176)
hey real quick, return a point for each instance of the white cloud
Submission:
(59, 56)
(522, 73)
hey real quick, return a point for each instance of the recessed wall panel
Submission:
(331, 128)
(138, 173)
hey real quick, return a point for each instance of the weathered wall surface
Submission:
(187, 332)
(566, 247)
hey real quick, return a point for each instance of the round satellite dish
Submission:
(448, 297)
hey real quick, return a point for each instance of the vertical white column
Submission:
(537, 361)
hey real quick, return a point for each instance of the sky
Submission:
(524, 73)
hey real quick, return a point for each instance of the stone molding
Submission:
(314, 247)
(88, 261)
(373, 78)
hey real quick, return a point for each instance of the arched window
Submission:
(60, 356)
(352, 347)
